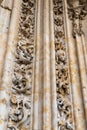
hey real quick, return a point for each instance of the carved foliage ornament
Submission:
(77, 12)
(64, 107)
(19, 117)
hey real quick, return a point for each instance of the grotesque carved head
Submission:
(20, 110)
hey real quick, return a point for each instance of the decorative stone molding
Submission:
(77, 12)
(77, 60)
(64, 106)
(43, 75)
(19, 116)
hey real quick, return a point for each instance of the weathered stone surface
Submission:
(43, 65)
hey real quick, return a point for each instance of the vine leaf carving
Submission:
(19, 116)
(64, 107)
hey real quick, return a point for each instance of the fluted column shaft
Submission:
(44, 92)
(5, 17)
(37, 90)
(8, 66)
(84, 50)
(75, 78)
(83, 74)
(52, 71)
(46, 71)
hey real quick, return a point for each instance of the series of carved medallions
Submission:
(77, 12)
(19, 117)
(64, 107)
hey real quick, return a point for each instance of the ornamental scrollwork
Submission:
(19, 116)
(21, 109)
(64, 105)
(24, 52)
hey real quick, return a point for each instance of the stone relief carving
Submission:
(76, 12)
(5, 4)
(64, 107)
(19, 116)
(20, 109)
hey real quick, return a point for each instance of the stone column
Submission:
(45, 106)
(53, 71)
(76, 63)
(43, 65)
(5, 17)
(8, 61)
(38, 73)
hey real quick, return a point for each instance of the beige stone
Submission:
(43, 65)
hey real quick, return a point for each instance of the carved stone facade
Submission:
(43, 65)
(64, 105)
(19, 116)
(76, 12)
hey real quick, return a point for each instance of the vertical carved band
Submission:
(19, 117)
(64, 107)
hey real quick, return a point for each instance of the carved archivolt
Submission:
(19, 117)
(64, 107)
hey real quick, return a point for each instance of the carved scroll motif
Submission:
(77, 12)
(19, 117)
(64, 107)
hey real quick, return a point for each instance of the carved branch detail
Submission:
(64, 107)
(19, 117)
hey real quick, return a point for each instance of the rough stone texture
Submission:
(19, 115)
(64, 106)
(43, 65)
